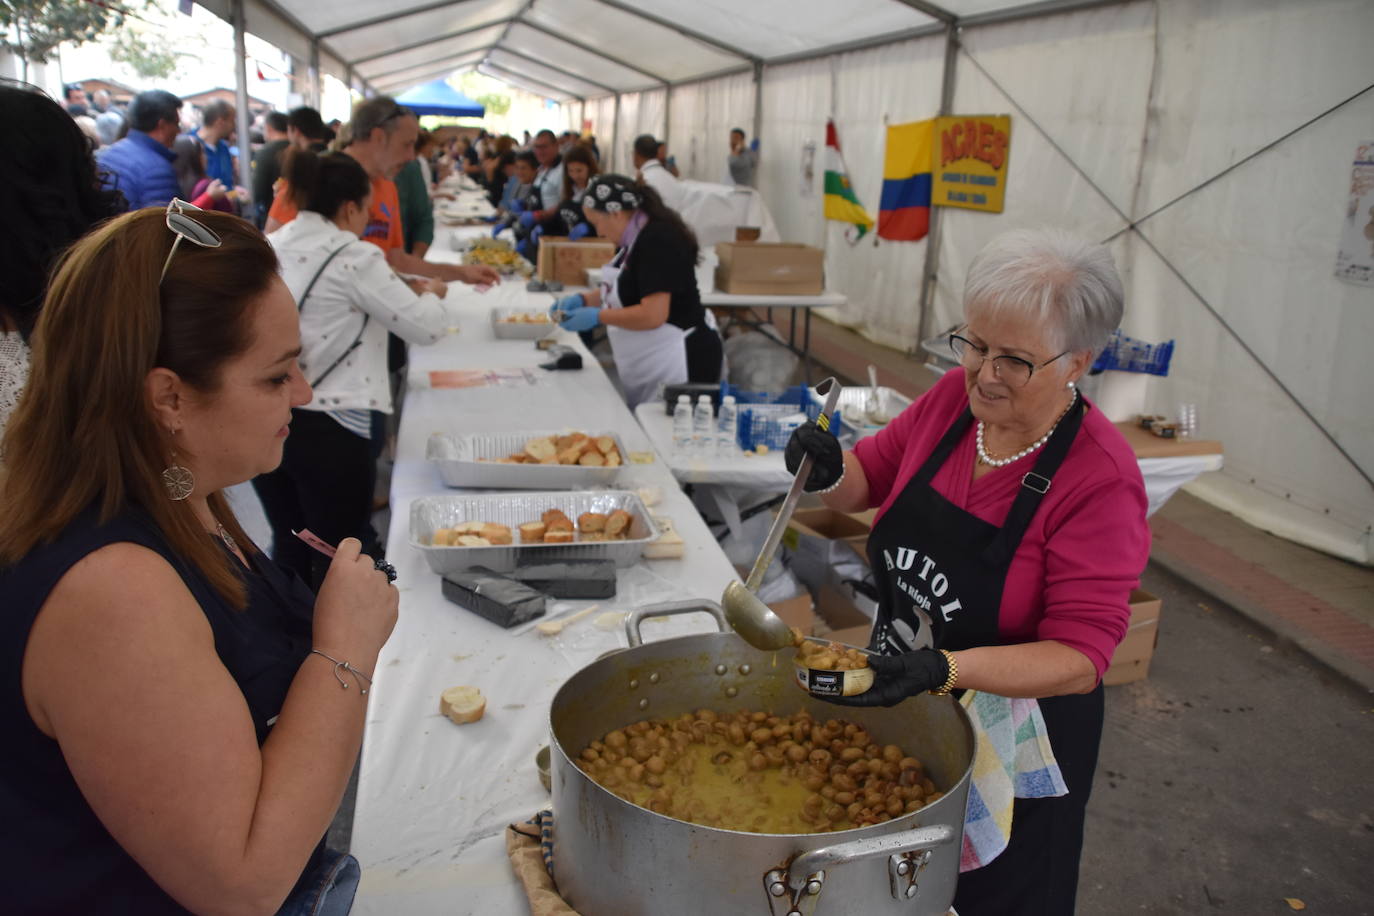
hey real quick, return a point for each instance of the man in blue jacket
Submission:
(140, 165)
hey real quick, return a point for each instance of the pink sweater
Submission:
(1071, 578)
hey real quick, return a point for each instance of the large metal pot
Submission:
(613, 858)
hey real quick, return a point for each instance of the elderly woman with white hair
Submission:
(1010, 532)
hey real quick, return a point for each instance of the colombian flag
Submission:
(841, 203)
(904, 211)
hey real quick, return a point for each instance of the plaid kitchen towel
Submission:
(1013, 760)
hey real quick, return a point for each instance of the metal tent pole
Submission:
(932, 263)
(758, 98)
(315, 77)
(241, 95)
(615, 135)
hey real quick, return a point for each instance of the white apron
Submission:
(644, 359)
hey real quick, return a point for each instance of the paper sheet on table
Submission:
(480, 378)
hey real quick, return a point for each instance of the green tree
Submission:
(473, 84)
(150, 56)
(34, 28)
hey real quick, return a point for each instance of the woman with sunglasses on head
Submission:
(1010, 532)
(181, 715)
(349, 299)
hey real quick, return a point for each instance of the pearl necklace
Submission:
(985, 458)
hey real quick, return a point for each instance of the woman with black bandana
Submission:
(648, 300)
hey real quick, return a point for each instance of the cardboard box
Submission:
(835, 526)
(1131, 661)
(852, 636)
(826, 551)
(770, 269)
(567, 262)
(796, 612)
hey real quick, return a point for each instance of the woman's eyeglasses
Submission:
(1013, 370)
(184, 226)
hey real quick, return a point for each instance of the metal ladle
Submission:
(753, 620)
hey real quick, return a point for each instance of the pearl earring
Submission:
(1072, 385)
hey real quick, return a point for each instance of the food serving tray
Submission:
(519, 330)
(512, 510)
(459, 459)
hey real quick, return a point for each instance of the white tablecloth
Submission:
(434, 798)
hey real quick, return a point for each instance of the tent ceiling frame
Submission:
(546, 64)
(453, 60)
(676, 27)
(387, 88)
(429, 41)
(590, 50)
(391, 17)
(943, 16)
(292, 20)
(527, 83)
(861, 44)
(931, 10)
(1034, 11)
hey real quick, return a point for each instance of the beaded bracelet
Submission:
(344, 665)
(951, 678)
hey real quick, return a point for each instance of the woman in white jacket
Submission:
(349, 298)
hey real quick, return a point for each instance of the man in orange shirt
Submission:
(383, 140)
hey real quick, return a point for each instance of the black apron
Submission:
(940, 572)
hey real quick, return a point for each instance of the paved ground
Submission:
(1309, 599)
(1236, 775)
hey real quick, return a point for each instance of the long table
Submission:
(434, 798)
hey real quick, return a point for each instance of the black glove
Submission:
(820, 445)
(897, 677)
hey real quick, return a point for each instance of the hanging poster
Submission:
(971, 154)
(1355, 259)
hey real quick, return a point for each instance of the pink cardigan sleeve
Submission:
(1098, 543)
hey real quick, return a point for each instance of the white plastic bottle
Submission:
(704, 427)
(727, 427)
(682, 424)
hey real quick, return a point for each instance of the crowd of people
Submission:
(188, 334)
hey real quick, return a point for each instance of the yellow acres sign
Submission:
(971, 154)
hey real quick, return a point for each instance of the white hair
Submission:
(1062, 282)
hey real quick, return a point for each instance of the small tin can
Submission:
(831, 682)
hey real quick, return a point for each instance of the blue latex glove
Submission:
(754, 144)
(581, 230)
(523, 248)
(517, 206)
(527, 219)
(584, 319)
(498, 229)
(567, 305)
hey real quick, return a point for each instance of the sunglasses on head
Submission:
(184, 226)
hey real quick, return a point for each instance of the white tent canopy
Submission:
(1210, 142)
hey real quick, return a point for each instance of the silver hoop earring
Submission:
(176, 479)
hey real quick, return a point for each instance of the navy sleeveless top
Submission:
(55, 855)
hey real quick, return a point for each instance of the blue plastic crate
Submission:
(761, 414)
(1126, 354)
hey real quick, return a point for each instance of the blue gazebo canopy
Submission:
(439, 98)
